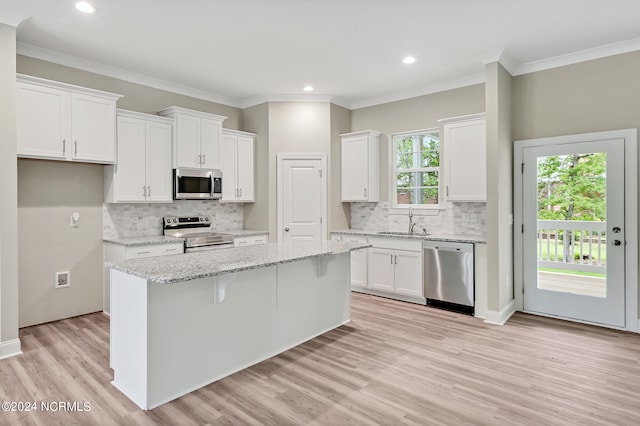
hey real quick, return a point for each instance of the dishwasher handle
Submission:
(448, 246)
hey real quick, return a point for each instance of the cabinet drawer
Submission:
(396, 243)
(336, 237)
(154, 250)
(250, 241)
(347, 238)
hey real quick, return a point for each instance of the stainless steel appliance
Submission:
(197, 232)
(449, 275)
(197, 184)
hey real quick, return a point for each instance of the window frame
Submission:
(427, 209)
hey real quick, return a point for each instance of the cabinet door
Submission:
(244, 172)
(130, 178)
(381, 269)
(187, 141)
(210, 134)
(228, 166)
(465, 161)
(355, 168)
(408, 273)
(93, 129)
(42, 122)
(358, 261)
(158, 165)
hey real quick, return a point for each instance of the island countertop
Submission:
(191, 266)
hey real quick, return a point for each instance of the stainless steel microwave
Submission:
(197, 184)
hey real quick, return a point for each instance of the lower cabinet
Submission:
(398, 271)
(252, 240)
(391, 265)
(118, 252)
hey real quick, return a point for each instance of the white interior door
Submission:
(573, 201)
(302, 198)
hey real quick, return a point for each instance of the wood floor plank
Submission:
(395, 364)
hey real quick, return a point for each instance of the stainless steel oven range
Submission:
(197, 232)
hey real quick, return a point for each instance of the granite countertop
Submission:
(429, 237)
(191, 266)
(144, 241)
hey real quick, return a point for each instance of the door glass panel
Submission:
(571, 233)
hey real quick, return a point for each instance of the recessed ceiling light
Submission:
(85, 7)
(409, 60)
(308, 89)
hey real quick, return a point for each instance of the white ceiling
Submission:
(242, 52)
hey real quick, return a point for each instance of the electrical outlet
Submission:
(63, 279)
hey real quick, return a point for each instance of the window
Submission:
(416, 170)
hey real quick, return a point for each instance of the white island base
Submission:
(170, 339)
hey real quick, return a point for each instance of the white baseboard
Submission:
(501, 317)
(10, 348)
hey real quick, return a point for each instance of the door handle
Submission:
(616, 242)
(286, 229)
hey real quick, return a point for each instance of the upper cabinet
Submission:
(143, 171)
(59, 121)
(360, 169)
(237, 165)
(196, 138)
(465, 165)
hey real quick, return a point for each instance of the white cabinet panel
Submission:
(237, 165)
(252, 240)
(408, 273)
(143, 172)
(42, 121)
(396, 270)
(93, 129)
(381, 269)
(465, 165)
(360, 168)
(60, 121)
(197, 138)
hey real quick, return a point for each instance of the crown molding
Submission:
(12, 19)
(257, 100)
(580, 56)
(121, 74)
(455, 83)
(503, 57)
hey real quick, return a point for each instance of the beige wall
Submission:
(48, 192)
(256, 120)
(499, 187)
(8, 192)
(136, 97)
(339, 213)
(412, 114)
(294, 127)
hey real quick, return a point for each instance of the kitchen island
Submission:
(181, 322)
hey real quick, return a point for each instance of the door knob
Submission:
(616, 229)
(616, 242)
(286, 229)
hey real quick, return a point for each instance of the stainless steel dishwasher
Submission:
(448, 275)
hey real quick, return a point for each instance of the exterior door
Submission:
(302, 195)
(573, 217)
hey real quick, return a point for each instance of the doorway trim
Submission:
(280, 158)
(630, 137)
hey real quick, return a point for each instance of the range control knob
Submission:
(206, 219)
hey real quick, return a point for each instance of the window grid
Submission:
(416, 169)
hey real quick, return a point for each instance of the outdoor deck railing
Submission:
(572, 245)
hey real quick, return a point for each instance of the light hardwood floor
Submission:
(395, 363)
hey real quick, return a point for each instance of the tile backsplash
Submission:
(455, 218)
(145, 219)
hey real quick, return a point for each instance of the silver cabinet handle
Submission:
(365, 192)
(240, 192)
(75, 148)
(395, 259)
(204, 159)
(144, 191)
(391, 258)
(446, 190)
(144, 252)
(236, 192)
(64, 146)
(148, 191)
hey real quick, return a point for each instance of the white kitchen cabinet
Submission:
(251, 240)
(114, 252)
(465, 165)
(237, 165)
(395, 265)
(360, 152)
(143, 171)
(196, 138)
(359, 260)
(59, 121)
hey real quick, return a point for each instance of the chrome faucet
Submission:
(411, 223)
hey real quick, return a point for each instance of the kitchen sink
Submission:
(418, 234)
